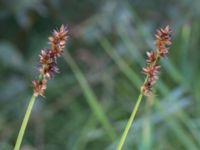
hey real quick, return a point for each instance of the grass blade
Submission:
(90, 97)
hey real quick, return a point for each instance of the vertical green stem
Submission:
(24, 123)
(130, 121)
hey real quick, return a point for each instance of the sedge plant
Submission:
(47, 69)
(163, 40)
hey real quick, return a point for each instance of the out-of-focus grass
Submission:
(172, 123)
(90, 97)
(108, 41)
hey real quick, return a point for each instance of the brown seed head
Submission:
(47, 59)
(163, 39)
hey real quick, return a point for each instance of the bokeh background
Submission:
(87, 105)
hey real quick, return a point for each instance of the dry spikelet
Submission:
(39, 87)
(57, 41)
(163, 39)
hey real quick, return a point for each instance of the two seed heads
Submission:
(48, 59)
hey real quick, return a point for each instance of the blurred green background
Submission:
(88, 103)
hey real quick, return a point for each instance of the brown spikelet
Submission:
(57, 41)
(49, 70)
(39, 87)
(163, 39)
(151, 70)
(146, 89)
(151, 57)
(47, 59)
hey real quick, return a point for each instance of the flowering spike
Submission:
(48, 57)
(163, 39)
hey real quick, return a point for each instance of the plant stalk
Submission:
(130, 121)
(24, 123)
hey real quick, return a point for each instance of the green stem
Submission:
(130, 121)
(24, 123)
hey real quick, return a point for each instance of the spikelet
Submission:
(57, 41)
(163, 39)
(39, 87)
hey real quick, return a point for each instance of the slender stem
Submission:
(130, 121)
(125, 133)
(24, 123)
